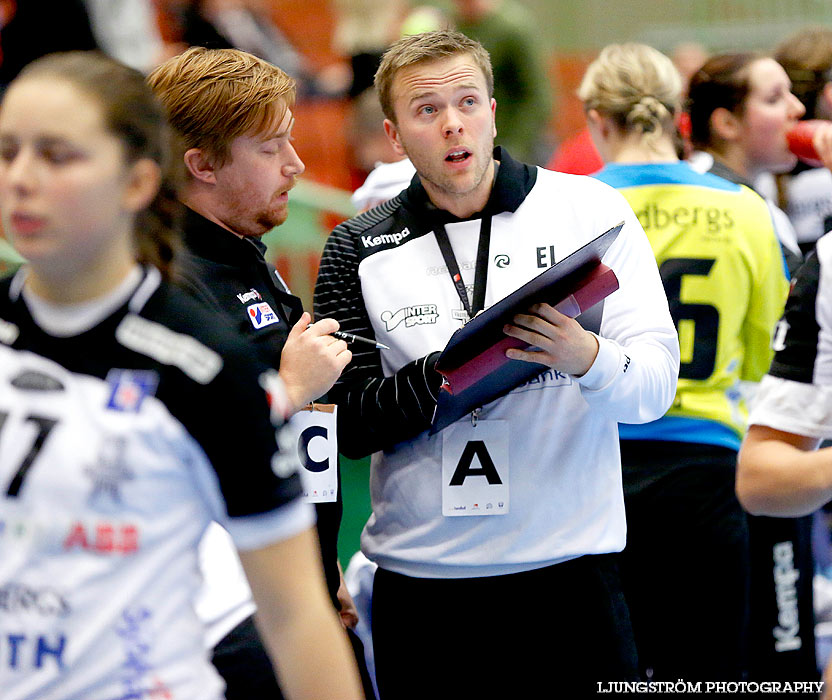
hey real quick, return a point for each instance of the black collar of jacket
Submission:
(513, 183)
(206, 240)
(723, 171)
(209, 240)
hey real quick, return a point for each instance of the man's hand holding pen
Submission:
(352, 338)
(312, 359)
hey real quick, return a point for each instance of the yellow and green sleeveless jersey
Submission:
(726, 283)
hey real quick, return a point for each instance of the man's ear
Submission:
(493, 118)
(725, 124)
(392, 132)
(200, 166)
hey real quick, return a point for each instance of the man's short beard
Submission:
(271, 219)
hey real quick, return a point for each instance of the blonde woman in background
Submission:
(685, 566)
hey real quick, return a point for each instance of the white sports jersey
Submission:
(808, 201)
(382, 275)
(796, 395)
(118, 446)
(384, 182)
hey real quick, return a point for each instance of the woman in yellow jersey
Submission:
(741, 108)
(685, 567)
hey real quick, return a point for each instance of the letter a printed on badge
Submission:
(475, 468)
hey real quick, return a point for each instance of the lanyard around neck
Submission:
(477, 303)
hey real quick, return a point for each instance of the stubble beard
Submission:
(273, 217)
(447, 184)
(260, 223)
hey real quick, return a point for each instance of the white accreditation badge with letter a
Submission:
(317, 446)
(475, 468)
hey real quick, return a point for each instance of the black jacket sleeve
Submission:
(374, 412)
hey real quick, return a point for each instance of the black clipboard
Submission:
(486, 329)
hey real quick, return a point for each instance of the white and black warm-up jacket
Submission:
(125, 432)
(382, 275)
(796, 394)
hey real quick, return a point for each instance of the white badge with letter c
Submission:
(318, 451)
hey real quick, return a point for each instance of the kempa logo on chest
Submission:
(251, 295)
(385, 238)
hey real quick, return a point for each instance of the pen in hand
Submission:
(352, 338)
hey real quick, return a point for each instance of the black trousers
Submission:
(685, 569)
(782, 633)
(241, 659)
(563, 628)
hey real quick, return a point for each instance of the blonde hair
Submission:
(423, 48)
(637, 86)
(213, 96)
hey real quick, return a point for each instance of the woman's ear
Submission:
(725, 124)
(596, 122)
(143, 181)
(601, 130)
(594, 118)
(601, 124)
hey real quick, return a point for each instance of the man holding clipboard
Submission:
(499, 528)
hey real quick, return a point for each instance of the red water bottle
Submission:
(800, 138)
